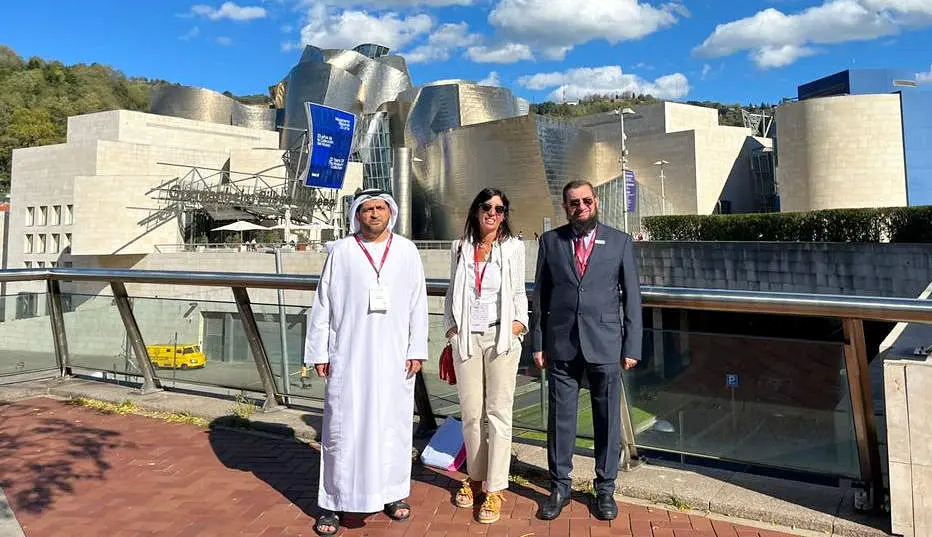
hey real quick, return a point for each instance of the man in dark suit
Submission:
(586, 322)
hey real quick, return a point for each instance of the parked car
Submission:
(181, 356)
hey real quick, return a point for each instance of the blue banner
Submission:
(631, 188)
(330, 140)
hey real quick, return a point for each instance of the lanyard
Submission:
(587, 250)
(378, 269)
(475, 266)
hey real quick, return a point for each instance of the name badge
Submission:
(479, 317)
(378, 300)
(599, 241)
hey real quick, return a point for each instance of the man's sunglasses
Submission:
(582, 201)
(488, 207)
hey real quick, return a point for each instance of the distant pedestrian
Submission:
(368, 337)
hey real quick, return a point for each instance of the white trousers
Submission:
(486, 386)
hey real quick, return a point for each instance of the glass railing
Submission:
(26, 339)
(784, 403)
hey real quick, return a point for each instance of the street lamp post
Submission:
(621, 112)
(663, 193)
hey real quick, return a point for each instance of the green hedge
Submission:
(895, 224)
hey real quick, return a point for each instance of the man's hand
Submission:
(517, 328)
(540, 360)
(630, 363)
(412, 367)
(452, 332)
(323, 370)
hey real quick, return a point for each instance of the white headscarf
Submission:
(367, 195)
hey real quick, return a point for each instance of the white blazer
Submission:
(514, 305)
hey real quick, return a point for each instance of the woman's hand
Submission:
(452, 332)
(517, 328)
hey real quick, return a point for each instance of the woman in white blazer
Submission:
(486, 317)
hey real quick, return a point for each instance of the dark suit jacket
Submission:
(605, 303)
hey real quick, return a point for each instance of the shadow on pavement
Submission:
(33, 480)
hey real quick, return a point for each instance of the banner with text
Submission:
(330, 140)
(631, 188)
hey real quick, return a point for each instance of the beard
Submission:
(582, 227)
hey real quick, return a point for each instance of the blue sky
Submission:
(726, 50)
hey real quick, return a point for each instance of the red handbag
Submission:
(447, 374)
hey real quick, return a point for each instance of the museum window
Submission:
(40, 244)
(28, 264)
(54, 243)
(30, 216)
(53, 264)
(27, 244)
(56, 215)
(43, 216)
(41, 264)
(69, 215)
(67, 243)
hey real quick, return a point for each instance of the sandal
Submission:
(491, 509)
(329, 518)
(391, 509)
(465, 496)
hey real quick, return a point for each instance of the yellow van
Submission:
(181, 356)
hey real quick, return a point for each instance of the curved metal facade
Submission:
(191, 103)
(320, 83)
(253, 117)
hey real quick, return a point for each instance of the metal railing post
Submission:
(150, 384)
(272, 401)
(862, 407)
(629, 452)
(427, 422)
(57, 318)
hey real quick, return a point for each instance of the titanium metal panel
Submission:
(380, 82)
(393, 60)
(504, 154)
(253, 117)
(312, 54)
(568, 154)
(191, 103)
(479, 104)
(320, 83)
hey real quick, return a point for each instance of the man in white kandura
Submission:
(368, 337)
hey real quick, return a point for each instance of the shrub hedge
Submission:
(894, 224)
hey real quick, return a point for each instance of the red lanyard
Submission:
(378, 269)
(479, 276)
(583, 261)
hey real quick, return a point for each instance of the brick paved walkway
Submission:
(72, 471)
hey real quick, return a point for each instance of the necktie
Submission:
(580, 247)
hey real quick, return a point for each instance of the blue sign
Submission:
(330, 140)
(731, 380)
(631, 188)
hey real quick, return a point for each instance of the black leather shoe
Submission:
(553, 505)
(605, 507)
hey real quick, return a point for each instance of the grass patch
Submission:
(127, 407)
(679, 503)
(244, 408)
(533, 415)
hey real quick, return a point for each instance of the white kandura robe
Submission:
(367, 430)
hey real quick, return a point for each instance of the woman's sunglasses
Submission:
(488, 207)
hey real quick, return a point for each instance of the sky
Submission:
(731, 51)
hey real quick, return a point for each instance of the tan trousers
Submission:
(486, 386)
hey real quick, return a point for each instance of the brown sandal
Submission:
(491, 509)
(465, 496)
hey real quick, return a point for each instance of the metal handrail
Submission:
(739, 301)
(851, 310)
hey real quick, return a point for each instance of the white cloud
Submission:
(331, 28)
(190, 34)
(391, 4)
(775, 39)
(553, 27)
(224, 41)
(705, 70)
(442, 41)
(492, 80)
(925, 78)
(230, 10)
(502, 53)
(609, 79)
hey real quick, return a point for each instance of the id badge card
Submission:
(378, 300)
(479, 317)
